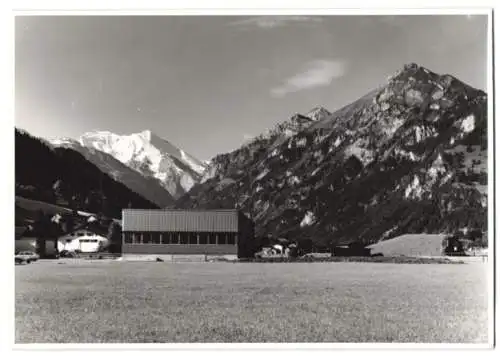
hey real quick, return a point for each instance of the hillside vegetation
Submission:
(64, 177)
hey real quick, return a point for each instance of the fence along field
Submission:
(140, 302)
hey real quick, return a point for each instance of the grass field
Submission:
(110, 301)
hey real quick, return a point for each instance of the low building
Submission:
(168, 233)
(88, 238)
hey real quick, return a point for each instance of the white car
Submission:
(26, 257)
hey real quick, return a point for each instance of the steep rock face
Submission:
(228, 163)
(151, 156)
(409, 157)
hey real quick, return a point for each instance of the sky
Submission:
(209, 83)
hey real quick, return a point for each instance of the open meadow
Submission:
(146, 302)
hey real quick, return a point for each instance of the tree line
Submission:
(64, 177)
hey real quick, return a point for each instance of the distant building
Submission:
(89, 238)
(169, 233)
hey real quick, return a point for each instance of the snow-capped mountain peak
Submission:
(63, 141)
(148, 154)
(146, 135)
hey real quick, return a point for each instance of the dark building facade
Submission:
(186, 232)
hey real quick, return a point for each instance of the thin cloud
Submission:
(269, 22)
(317, 73)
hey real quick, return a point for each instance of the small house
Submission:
(87, 238)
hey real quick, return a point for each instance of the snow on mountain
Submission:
(151, 156)
(147, 154)
(138, 146)
(148, 187)
(63, 141)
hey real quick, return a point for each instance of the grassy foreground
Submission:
(110, 301)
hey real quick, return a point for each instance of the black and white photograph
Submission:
(313, 177)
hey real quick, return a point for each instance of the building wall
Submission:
(176, 232)
(178, 257)
(156, 249)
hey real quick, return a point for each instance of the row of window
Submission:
(181, 238)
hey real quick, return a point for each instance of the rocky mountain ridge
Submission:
(408, 157)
